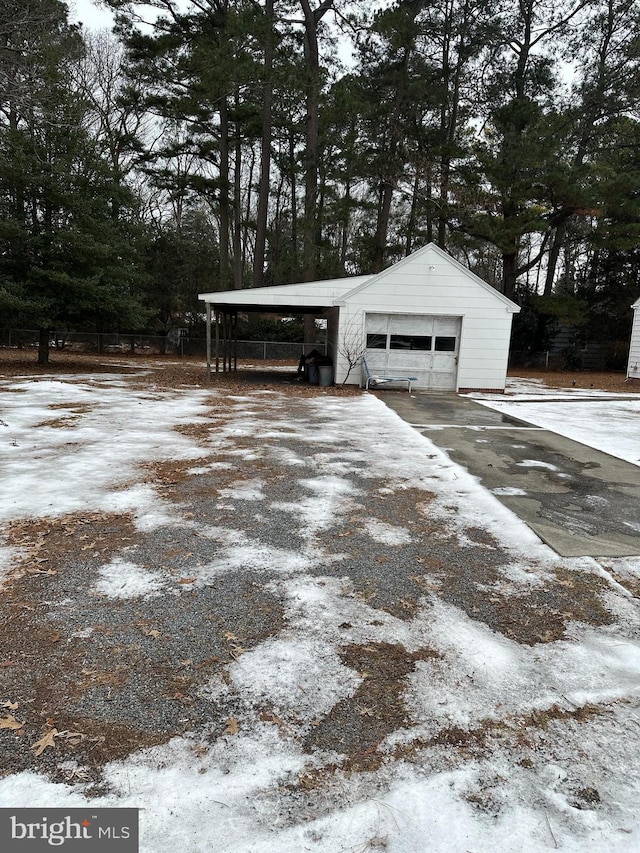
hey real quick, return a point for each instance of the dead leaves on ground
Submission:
(233, 726)
(48, 738)
(72, 739)
(10, 722)
(43, 541)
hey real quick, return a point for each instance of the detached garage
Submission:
(426, 316)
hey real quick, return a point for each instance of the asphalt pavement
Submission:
(580, 501)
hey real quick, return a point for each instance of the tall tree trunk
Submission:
(509, 273)
(223, 195)
(265, 149)
(237, 207)
(312, 18)
(382, 226)
(294, 198)
(43, 346)
(411, 224)
(554, 254)
(344, 237)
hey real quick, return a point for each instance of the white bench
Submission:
(374, 380)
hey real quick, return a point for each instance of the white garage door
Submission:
(421, 345)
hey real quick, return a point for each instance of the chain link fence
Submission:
(175, 343)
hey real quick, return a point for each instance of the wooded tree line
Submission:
(212, 144)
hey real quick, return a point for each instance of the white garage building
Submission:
(633, 366)
(426, 316)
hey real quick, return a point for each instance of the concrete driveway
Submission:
(578, 500)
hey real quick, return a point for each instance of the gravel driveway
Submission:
(307, 545)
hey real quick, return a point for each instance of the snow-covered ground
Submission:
(605, 421)
(73, 444)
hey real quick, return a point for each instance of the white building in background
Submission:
(426, 316)
(633, 366)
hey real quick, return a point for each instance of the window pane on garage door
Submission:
(375, 341)
(416, 342)
(445, 344)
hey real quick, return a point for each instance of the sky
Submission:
(90, 14)
(77, 443)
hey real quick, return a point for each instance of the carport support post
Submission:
(225, 341)
(217, 341)
(208, 304)
(235, 340)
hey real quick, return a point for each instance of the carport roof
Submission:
(301, 298)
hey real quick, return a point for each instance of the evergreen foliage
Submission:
(233, 143)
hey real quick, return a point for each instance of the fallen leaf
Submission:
(153, 632)
(7, 663)
(236, 651)
(186, 580)
(12, 706)
(208, 662)
(229, 636)
(46, 740)
(10, 722)
(76, 773)
(233, 727)
(72, 738)
(274, 718)
(56, 637)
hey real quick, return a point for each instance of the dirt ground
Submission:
(190, 371)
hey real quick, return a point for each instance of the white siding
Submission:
(432, 283)
(633, 368)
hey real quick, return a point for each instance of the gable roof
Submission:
(431, 248)
(318, 296)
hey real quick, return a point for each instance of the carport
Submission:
(317, 298)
